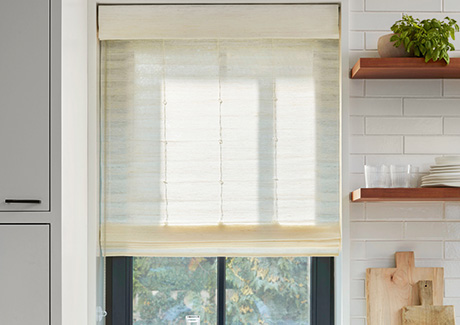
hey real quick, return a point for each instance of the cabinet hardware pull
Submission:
(30, 201)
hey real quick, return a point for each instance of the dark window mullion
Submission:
(119, 288)
(322, 291)
(221, 278)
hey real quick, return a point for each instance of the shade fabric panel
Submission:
(220, 147)
(222, 240)
(125, 22)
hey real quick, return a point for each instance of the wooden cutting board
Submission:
(427, 314)
(389, 290)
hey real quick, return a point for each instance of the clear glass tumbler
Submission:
(192, 320)
(377, 176)
(400, 175)
(414, 176)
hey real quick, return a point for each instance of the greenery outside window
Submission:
(235, 290)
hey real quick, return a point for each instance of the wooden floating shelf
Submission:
(406, 194)
(405, 68)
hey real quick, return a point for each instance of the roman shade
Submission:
(219, 146)
(218, 21)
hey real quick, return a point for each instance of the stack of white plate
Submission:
(446, 172)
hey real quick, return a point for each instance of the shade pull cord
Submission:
(165, 139)
(275, 139)
(221, 178)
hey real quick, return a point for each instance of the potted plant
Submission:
(429, 38)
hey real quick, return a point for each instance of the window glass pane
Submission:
(166, 289)
(259, 290)
(268, 290)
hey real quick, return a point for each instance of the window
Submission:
(239, 290)
(220, 136)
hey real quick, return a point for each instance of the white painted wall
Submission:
(400, 121)
(74, 163)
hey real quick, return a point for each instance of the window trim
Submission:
(119, 287)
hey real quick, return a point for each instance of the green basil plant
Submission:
(429, 38)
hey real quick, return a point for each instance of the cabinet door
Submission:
(24, 103)
(24, 274)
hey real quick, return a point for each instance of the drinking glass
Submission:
(400, 175)
(414, 176)
(376, 176)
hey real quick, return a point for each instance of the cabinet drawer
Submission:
(24, 274)
(24, 104)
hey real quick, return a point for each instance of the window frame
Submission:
(119, 290)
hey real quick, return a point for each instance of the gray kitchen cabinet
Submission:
(25, 104)
(24, 274)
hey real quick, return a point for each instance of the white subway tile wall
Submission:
(404, 211)
(356, 41)
(356, 163)
(386, 249)
(401, 122)
(374, 106)
(357, 289)
(357, 211)
(358, 5)
(376, 144)
(452, 250)
(452, 288)
(358, 308)
(451, 5)
(403, 88)
(356, 125)
(452, 125)
(428, 144)
(432, 106)
(403, 125)
(372, 21)
(452, 87)
(377, 230)
(451, 267)
(453, 210)
(358, 321)
(404, 5)
(358, 249)
(372, 39)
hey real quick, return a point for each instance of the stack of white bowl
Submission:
(446, 172)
